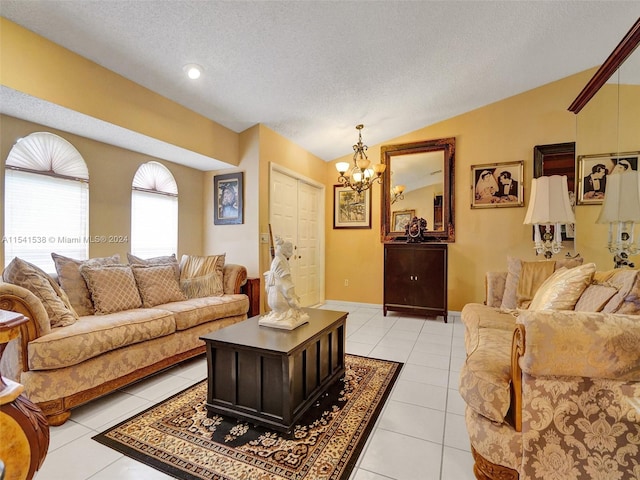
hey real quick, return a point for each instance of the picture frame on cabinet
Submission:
(228, 199)
(593, 171)
(400, 219)
(351, 209)
(497, 185)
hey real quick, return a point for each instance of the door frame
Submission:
(321, 214)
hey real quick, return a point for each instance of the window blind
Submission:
(45, 214)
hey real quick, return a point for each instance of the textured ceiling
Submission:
(312, 70)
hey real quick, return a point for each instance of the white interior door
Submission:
(295, 213)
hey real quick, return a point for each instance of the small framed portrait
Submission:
(227, 199)
(350, 208)
(497, 185)
(593, 171)
(400, 219)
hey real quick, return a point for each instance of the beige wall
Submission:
(33, 65)
(259, 147)
(111, 171)
(501, 132)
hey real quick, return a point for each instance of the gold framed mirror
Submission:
(419, 179)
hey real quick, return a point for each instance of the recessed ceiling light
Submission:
(192, 70)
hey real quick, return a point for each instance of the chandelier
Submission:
(360, 176)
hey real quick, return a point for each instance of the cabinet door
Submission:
(429, 286)
(398, 274)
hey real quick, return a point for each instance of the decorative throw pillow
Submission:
(595, 297)
(532, 275)
(164, 260)
(202, 276)
(73, 282)
(509, 298)
(53, 298)
(157, 284)
(113, 288)
(562, 290)
(623, 279)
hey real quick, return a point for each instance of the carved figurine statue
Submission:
(286, 312)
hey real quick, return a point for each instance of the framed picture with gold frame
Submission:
(400, 218)
(593, 171)
(350, 208)
(497, 185)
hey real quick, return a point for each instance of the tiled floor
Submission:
(419, 436)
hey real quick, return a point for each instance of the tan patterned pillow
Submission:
(157, 284)
(202, 276)
(623, 279)
(113, 288)
(532, 275)
(509, 299)
(73, 283)
(595, 297)
(562, 290)
(164, 260)
(53, 298)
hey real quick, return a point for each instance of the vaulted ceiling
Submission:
(312, 70)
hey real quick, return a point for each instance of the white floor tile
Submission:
(159, 387)
(98, 413)
(455, 403)
(359, 474)
(356, 348)
(421, 394)
(414, 421)
(77, 460)
(455, 432)
(457, 465)
(429, 360)
(66, 433)
(389, 353)
(422, 374)
(423, 346)
(401, 457)
(128, 469)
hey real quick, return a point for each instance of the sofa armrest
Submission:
(581, 344)
(233, 278)
(21, 300)
(494, 288)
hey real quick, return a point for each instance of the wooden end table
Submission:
(269, 376)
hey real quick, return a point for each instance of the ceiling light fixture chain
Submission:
(360, 177)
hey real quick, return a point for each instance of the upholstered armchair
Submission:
(553, 394)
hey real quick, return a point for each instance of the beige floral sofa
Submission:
(100, 324)
(552, 390)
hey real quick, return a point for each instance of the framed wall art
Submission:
(497, 185)
(593, 171)
(227, 199)
(350, 208)
(400, 219)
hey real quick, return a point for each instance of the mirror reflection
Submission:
(418, 183)
(417, 187)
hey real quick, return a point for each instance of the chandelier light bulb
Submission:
(193, 71)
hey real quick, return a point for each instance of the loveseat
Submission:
(552, 382)
(100, 324)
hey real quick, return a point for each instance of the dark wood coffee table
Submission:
(270, 376)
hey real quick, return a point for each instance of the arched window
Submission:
(154, 211)
(46, 201)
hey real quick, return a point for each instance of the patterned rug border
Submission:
(169, 469)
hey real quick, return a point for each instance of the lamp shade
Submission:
(621, 198)
(549, 202)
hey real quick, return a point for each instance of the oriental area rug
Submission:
(177, 438)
